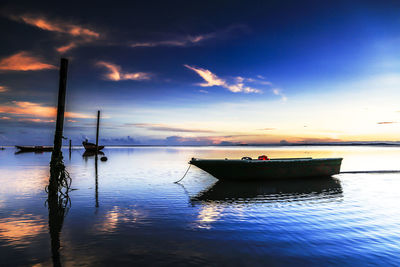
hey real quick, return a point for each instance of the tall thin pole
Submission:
(97, 131)
(70, 148)
(60, 108)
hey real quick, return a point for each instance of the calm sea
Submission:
(128, 211)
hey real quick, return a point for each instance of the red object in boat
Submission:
(263, 157)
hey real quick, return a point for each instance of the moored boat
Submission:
(34, 148)
(265, 169)
(90, 146)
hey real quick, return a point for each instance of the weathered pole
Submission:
(97, 131)
(59, 181)
(70, 148)
(60, 109)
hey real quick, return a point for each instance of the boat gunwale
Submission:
(256, 161)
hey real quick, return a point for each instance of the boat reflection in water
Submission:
(270, 191)
(90, 153)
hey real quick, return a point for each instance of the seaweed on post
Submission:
(58, 203)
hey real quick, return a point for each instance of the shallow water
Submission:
(129, 211)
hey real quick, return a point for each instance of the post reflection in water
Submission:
(96, 175)
(86, 155)
(58, 203)
(270, 191)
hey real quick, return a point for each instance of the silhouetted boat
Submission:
(35, 148)
(249, 169)
(90, 146)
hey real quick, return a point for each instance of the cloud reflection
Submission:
(19, 229)
(118, 215)
(209, 214)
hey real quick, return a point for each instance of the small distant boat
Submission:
(265, 169)
(90, 146)
(35, 148)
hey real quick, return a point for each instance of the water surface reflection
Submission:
(128, 211)
(232, 192)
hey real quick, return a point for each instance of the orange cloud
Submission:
(115, 73)
(213, 80)
(3, 89)
(23, 61)
(57, 26)
(79, 33)
(65, 48)
(387, 122)
(24, 108)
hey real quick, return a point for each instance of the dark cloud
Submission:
(120, 141)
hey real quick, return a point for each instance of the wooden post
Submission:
(60, 108)
(97, 131)
(70, 148)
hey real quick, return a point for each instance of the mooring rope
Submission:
(183, 175)
(382, 171)
(346, 172)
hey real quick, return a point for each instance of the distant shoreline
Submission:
(246, 145)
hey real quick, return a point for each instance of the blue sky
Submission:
(202, 73)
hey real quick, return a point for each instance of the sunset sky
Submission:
(204, 72)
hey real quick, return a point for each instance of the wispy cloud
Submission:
(35, 120)
(116, 74)
(279, 92)
(30, 109)
(267, 129)
(211, 79)
(167, 128)
(387, 122)
(46, 24)
(67, 47)
(78, 33)
(24, 61)
(181, 41)
(3, 89)
(190, 40)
